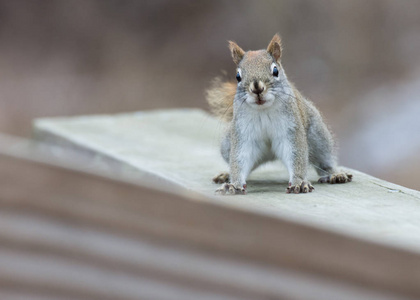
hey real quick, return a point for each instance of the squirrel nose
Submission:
(257, 87)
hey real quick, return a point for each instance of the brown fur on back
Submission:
(220, 98)
(300, 101)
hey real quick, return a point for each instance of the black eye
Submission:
(275, 72)
(238, 77)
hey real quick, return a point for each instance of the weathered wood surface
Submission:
(68, 233)
(180, 148)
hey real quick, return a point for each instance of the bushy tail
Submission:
(220, 97)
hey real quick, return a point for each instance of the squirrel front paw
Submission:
(303, 187)
(336, 178)
(231, 189)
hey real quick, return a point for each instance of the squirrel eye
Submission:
(238, 77)
(275, 71)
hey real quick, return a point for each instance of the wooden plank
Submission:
(65, 232)
(179, 149)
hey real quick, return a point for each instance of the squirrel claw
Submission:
(231, 189)
(304, 187)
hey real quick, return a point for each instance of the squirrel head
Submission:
(259, 74)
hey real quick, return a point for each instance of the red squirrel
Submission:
(269, 119)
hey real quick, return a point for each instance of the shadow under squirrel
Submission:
(269, 119)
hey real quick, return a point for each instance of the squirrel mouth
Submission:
(260, 101)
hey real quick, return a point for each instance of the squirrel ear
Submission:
(274, 48)
(237, 52)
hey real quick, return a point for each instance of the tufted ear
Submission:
(274, 48)
(237, 52)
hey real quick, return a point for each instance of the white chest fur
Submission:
(264, 130)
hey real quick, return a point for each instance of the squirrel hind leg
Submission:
(326, 168)
(332, 175)
(221, 178)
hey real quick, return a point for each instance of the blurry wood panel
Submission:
(67, 234)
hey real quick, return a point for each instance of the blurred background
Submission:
(359, 61)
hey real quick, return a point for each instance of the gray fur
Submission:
(286, 127)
